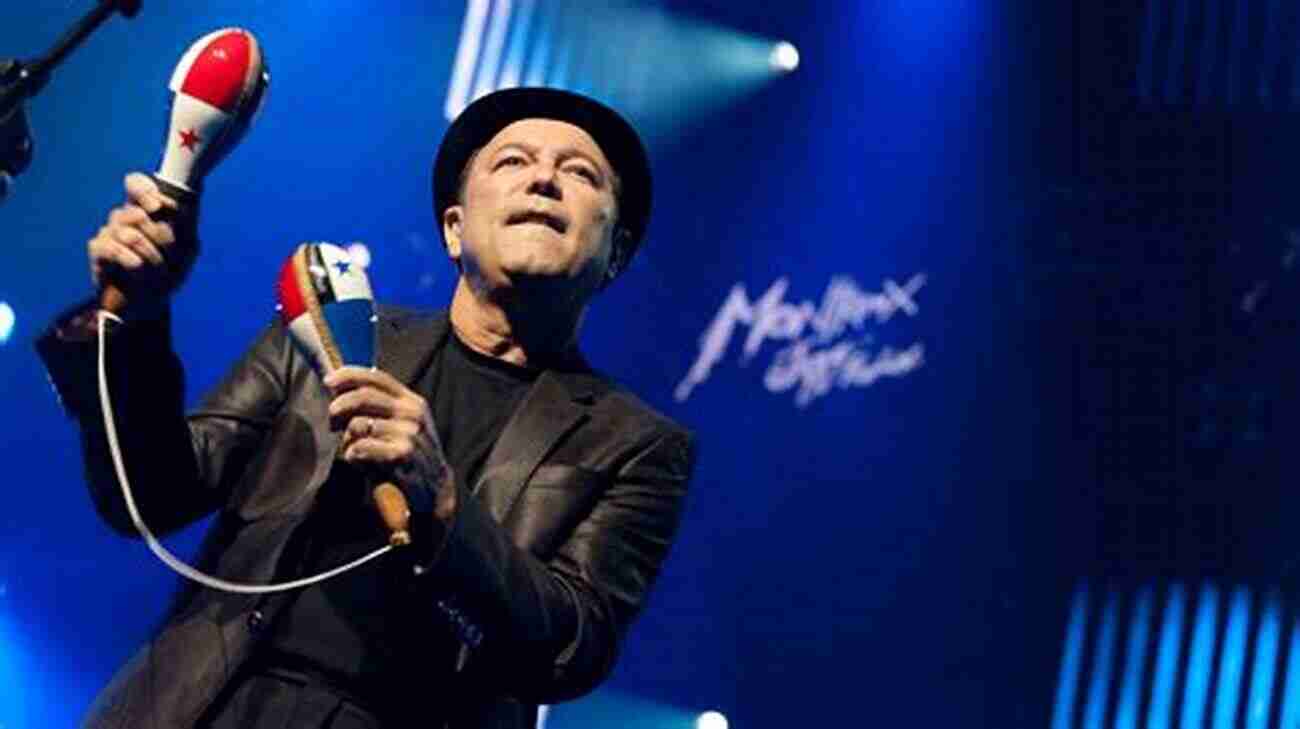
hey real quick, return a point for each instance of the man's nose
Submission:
(543, 182)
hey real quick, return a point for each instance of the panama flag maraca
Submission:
(217, 89)
(326, 302)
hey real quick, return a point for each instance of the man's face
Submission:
(538, 206)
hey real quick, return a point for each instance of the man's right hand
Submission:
(138, 252)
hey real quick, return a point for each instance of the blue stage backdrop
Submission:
(832, 296)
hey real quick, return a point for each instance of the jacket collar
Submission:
(405, 341)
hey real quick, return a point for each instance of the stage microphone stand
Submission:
(21, 80)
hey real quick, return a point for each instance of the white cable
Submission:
(169, 559)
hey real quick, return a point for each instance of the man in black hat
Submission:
(545, 496)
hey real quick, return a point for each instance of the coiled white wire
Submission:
(169, 559)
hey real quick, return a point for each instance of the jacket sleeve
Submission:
(181, 467)
(550, 631)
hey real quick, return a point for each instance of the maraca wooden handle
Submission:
(111, 297)
(394, 512)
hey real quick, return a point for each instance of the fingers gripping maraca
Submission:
(326, 303)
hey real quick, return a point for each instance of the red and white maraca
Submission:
(217, 89)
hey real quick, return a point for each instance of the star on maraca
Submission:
(190, 139)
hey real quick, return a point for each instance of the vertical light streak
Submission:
(1232, 660)
(492, 49)
(540, 58)
(512, 71)
(471, 34)
(1262, 674)
(1160, 714)
(1126, 716)
(1094, 711)
(1197, 689)
(1067, 683)
(1291, 689)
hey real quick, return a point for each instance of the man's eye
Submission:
(512, 160)
(584, 172)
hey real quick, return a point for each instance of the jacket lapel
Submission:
(550, 411)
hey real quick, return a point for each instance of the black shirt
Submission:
(364, 629)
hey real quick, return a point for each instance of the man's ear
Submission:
(618, 255)
(452, 226)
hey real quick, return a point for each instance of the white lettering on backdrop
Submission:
(827, 348)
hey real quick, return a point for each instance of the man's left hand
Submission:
(388, 427)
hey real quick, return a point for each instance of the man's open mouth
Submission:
(554, 222)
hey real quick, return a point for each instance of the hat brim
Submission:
(481, 120)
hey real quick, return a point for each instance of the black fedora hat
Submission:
(481, 120)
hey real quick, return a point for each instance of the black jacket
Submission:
(547, 559)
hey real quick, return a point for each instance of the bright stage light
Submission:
(784, 58)
(711, 720)
(659, 68)
(6, 322)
